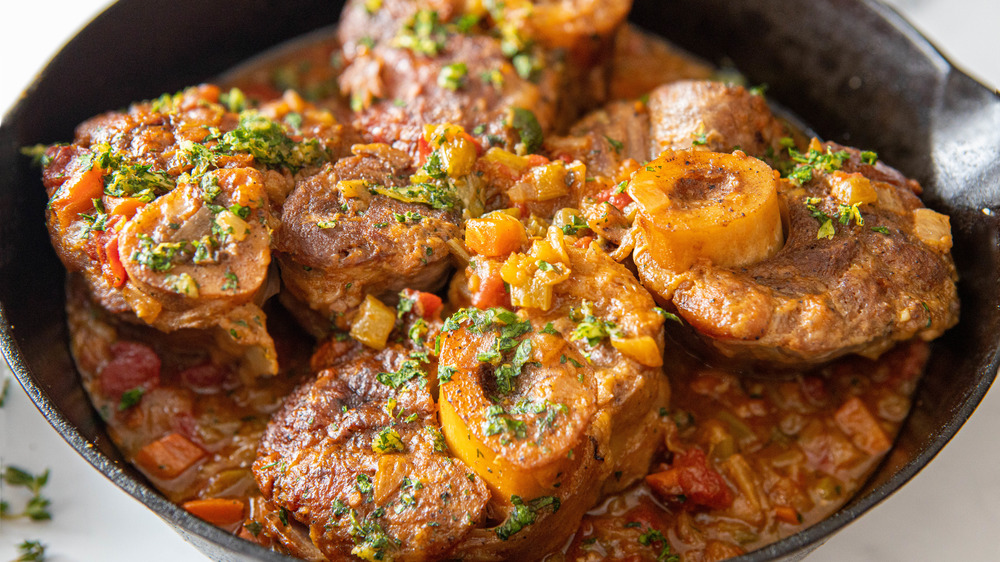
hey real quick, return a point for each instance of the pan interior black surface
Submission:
(862, 77)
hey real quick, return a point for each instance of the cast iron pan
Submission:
(853, 69)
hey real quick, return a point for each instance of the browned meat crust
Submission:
(860, 291)
(362, 465)
(165, 209)
(339, 242)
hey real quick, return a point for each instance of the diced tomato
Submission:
(583, 242)
(690, 476)
(133, 365)
(426, 305)
(424, 150)
(111, 265)
(58, 169)
(536, 160)
(487, 287)
(207, 377)
(619, 200)
(814, 389)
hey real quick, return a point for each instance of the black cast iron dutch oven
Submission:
(853, 69)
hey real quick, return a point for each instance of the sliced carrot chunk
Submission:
(787, 514)
(169, 456)
(217, 511)
(77, 194)
(496, 234)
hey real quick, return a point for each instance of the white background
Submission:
(950, 511)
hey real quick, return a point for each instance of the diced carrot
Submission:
(169, 456)
(857, 421)
(124, 206)
(787, 514)
(77, 195)
(113, 269)
(217, 511)
(496, 234)
(665, 483)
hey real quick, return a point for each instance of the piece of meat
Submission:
(357, 457)
(550, 58)
(617, 140)
(643, 61)
(716, 116)
(165, 208)
(527, 387)
(852, 288)
(339, 241)
(399, 92)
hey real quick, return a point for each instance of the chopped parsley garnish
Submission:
(3, 391)
(668, 315)
(881, 230)
(445, 372)
(232, 282)
(370, 540)
(850, 212)
(324, 225)
(615, 144)
(524, 514)
(814, 161)
(97, 221)
(37, 154)
(550, 411)
(364, 484)
(407, 371)
(437, 438)
(269, 145)
(157, 257)
(253, 527)
(844, 215)
(408, 216)
(387, 441)
(575, 225)
(510, 328)
(423, 34)
(549, 329)
(527, 126)
(498, 421)
(869, 157)
(434, 196)
(128, 179)
(452, 76)
(130, 398)
(652, 536)
(234, 100)
(590, 327)
(405, 304)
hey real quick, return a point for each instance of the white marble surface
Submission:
(950, 511)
